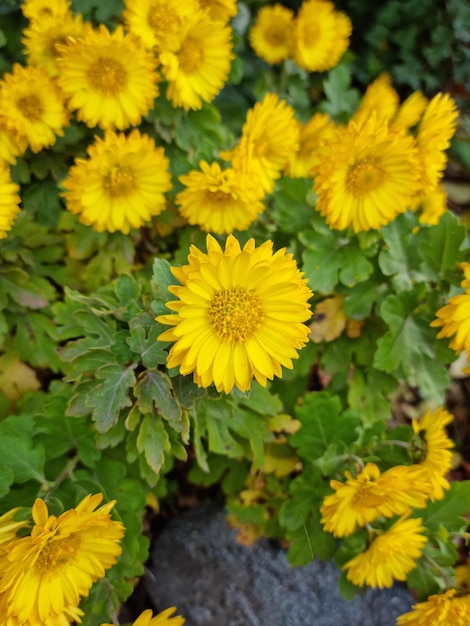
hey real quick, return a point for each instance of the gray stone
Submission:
(198, 567)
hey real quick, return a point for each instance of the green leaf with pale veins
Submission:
(441, 250)
(106, 399)
(450, 511)
(151, 351)
(155, 394)
(22, 457)
(153, 441)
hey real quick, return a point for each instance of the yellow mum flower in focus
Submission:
(219, 10)
(45, 573)
(321, 35)
(157, 22)
(36, 10)
(454, 317)
(369, 496)
(121, 185)
(219, 201)
(272, 35)
(380, 98)
(165, 618)
(433, 446)
(9, 526)
(269, 136)
(9, 201)
(197, 65)
(239, 314)
(366, 175)
(317, 130)
(41, 38)
(108, 77)
(444, 609)
(33, 106)
(391, 555)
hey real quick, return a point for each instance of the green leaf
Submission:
(440, 251)
(109, 397)
(22, 457)
(151, 351)
(43, 200)
(20, 288)
(7, 477)
(259, 399)
(450, 510)
(162, 278)
(291, 211)
(153, 442)
(154, 393)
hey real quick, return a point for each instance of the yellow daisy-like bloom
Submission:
(239, 314)
(121, 185)
(37, 10)
(219, 201)
(317, 130)
(165, 618)
(321, 35)
(366, 175)
(41, 38)
(391, 555)
(410, 112)
(219, 10)
(197, 65)
(9, 526)
(158, 22)
(70, 615)
(109, 78)
(32, 106)
(435, 131)
(380, 98)
(49, 571)
(369, 496)
(9, 201)
(454, 317)
(11, 144)
(434, 448)
(433, 206)
(269, 136)
(444, 609)
(272, 35)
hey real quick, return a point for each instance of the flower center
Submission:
(57, 554)
(366, 496)
(107, 76)
(219, 197)
(30, 107)
(262, 148)
(162, 20)
(275, 35)
(236, 314)
(190, 55)
(311, 33)
(119, 181)
(364, 176)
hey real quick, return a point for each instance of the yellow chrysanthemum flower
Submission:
(454, 317)
(37, 10)
(9, 526)
(197, 65)
(444, 609)
(121, 185)
(369, 496)
(45, 573)
(70, 615)
(321, 35)
(33, 106)
(410, 112)
(12, 145)
(158, 22)
(318, 129)
(391, 555)
(269, 136)
(109, 78)
(366, 175)
(239, 314)
(435, 131)
(9, 201)
(380, 98)
(219, 10)
(41, 38)
(433, 206)
(219, 201)
(433, 447)
(165, 618)
(272, 35)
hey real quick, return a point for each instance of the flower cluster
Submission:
(316, 38)
(374, 496)
(44, 575)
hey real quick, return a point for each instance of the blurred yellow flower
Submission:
(12, 145)
(239, 314)
(444, 609)
(271, 36)
(121, 185)
(197, 65)
(108, 77)
(219, 10)
(410, 112)
(9, 201)
(380, 98)
(37, 10)
(433, 206)
(391, 555)
(329, 319)
(318, 129)
(321, 35)
(165, 618)
(454, 317)
(219, 201)
(32, 106)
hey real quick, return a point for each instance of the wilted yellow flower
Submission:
(380, 98)
(37, 10)
(433, 206)
(121, 185)
(32, 106)
(318, 129)
(219, 201)
(45, 573)
(391, 555)
(272, 35)
(366, 175)
(454, 317)
(329, 319)
(219, 10)
(108, 77)
(321, 35)
(9, 201)
(165, 618)
(368, 496)
(239, 314)
(197, 65)
(444, 609)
